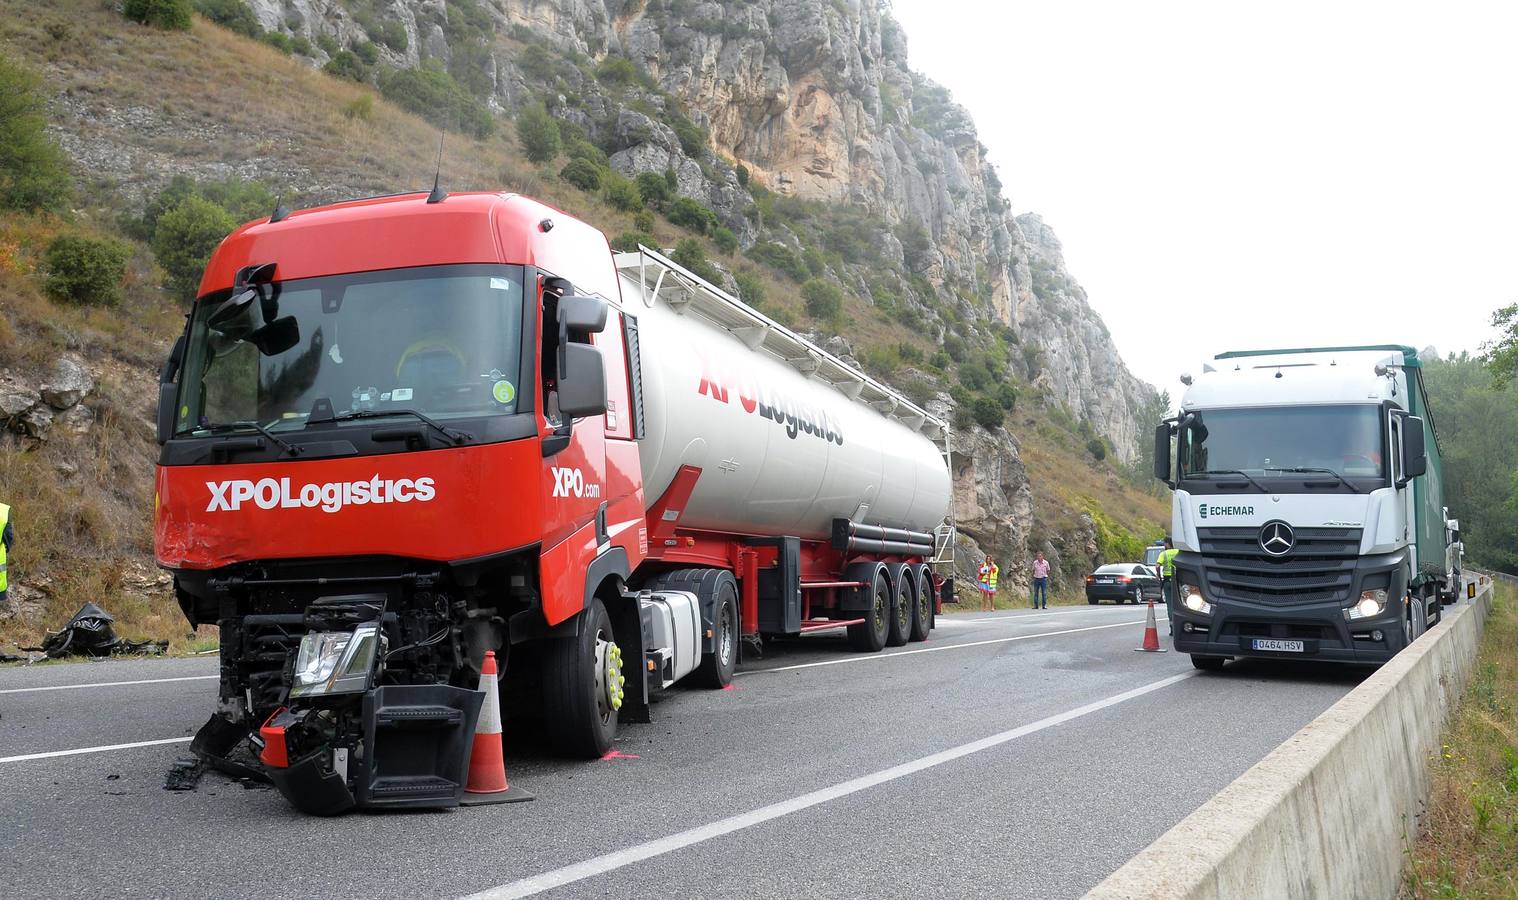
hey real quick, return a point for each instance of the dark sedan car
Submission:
(1123, 583)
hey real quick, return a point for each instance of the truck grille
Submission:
(1320, 567)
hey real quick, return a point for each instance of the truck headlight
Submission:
(1192, 599)
(336, 662)
(1370, 604)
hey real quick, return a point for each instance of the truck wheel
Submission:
(1208, 663)
(870, 635)
(901, 610)
(716, 670)
(583, 686)
(922, 607)
(925, 589)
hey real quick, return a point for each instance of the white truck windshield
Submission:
(1266, 441)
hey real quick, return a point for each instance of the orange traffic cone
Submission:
(1151, 635)
(487, 762)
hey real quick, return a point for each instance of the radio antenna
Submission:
(438, 195)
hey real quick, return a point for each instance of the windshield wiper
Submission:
(225, 427)
(1241, 473)
(456, 437)
(1311, 469)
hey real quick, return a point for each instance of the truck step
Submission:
(418, 717)
(411, 787)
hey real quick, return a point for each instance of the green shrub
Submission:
(726, 241)
(750, 289)
(435, 96)
(692, 136)
(279, 41)
(780, 257)
(393, 35)
(184, 238)
(628, 241)
(576, 146)
(367, 52)
(302, 45)
(583, 174)
(742, 172)
(170, 15)
(360, 107)
(1006, 395)
(988, 413)
(327, 44)
(813, 261)
(643, 220)
(916, 246)
(1097, 448)
(823, 298)
(623, 194)
(538, 133)
(692, 255)
(233, 15)
(687, 213)
(85, 270)
(346, 64)
(616, 70)
(34, 171)
(954, 345)
(654, 189)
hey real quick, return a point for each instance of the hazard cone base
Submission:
(510, 795)
(1151, 635)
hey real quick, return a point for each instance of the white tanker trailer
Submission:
(401, 432)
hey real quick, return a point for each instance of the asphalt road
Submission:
(1025, 754)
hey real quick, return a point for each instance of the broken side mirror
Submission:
(1162, 453)
(276, 337)
(582, 390)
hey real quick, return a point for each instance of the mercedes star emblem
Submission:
(1277, 538)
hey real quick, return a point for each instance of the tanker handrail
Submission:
(759, 332)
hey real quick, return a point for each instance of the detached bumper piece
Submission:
(415, 754)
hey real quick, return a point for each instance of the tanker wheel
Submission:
(870, 635)
(716, 670)
(922, 607)
(901, 611)
(925, 584)
(583, 686)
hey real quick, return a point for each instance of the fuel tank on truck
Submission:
(780, 453)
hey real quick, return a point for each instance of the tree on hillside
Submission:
(184, 238)
(1477, 423)
(34, 171)
(1501, 355)
(538, 132)
(171, 15)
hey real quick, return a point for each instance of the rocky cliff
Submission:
(814, 99)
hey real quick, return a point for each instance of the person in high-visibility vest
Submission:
(7, 537)
(994, 570)
(1166, 564)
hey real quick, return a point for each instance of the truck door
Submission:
(573, 475)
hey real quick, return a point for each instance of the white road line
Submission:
(958, 619)
(99, 684)
(52, 753)
(609, 862)
(876, 657)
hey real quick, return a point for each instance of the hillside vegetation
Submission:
(174, 136)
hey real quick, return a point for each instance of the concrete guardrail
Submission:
(1331, 811)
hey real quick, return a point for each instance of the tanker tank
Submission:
(780, 453)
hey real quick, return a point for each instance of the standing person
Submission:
(1040, 581)
(1166, 564)
(991, 582)
(7, 537)
(983, 584)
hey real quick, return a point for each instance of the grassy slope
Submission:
(1468, 837)
(210, 103)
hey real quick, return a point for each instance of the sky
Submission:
(1242, 176)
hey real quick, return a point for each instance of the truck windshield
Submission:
(444, 341)
(1302, 441)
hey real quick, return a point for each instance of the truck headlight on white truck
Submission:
(1370, 605)
(1192, 599)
